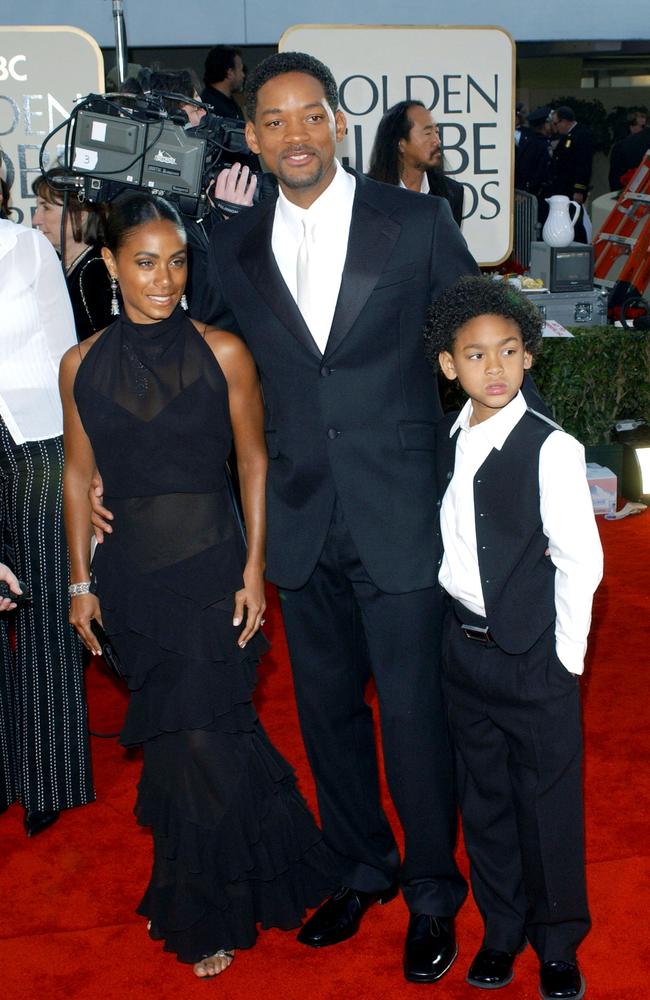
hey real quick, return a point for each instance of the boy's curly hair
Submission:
(472, 297)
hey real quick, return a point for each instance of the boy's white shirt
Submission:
(567, 518)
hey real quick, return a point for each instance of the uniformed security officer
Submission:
(571, 162)
(533, 158)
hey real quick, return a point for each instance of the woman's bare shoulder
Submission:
(226, 346)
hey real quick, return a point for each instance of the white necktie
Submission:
(306, 277)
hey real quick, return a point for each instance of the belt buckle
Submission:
(476, 633)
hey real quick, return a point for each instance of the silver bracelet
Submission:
(77, 589)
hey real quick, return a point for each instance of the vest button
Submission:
(333, 433)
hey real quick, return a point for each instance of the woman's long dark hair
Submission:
(395, 125)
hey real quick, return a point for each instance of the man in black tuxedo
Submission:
(351, 408)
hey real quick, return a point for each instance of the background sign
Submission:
(465, 76)
(43, 70)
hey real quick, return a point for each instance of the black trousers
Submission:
(340, 628)
(44, 746)
(515, 725)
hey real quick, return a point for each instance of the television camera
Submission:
(115, 142)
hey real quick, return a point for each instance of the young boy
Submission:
(521, 562)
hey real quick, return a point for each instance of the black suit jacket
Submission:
(447, 187)
(359, 421)
(572, 161)
(533, 165)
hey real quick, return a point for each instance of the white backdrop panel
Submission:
(464, 75)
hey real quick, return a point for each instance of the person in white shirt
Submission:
(521, 561)
(44, 751)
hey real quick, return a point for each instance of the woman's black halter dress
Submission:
(234, 843)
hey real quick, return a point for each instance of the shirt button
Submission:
(333, 433)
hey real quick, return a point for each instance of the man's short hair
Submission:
(565, 113)
(288, 62)
(217, 63)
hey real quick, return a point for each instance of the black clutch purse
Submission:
(111, 658)
(20, 598)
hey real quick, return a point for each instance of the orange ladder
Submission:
(616, 238)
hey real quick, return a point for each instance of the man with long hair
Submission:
(407, 151)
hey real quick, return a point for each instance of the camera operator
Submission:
(229, 193)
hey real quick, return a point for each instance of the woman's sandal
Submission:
(221, 954)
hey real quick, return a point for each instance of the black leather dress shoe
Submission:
(339, 917)
(491, 969)
(430, 948)
(36, 822)
(561, 981)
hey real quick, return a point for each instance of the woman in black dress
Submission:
(154, 401)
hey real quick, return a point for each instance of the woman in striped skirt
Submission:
(44, 752)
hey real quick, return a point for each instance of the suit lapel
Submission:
(373, 235)
(258, 263)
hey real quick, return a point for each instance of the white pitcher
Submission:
(558, 229)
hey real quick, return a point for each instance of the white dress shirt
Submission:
(330, 217)
(424, 184)
(567, 519)
(36, 328)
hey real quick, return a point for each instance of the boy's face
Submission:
(489, 360)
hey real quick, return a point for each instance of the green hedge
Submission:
(589, 381)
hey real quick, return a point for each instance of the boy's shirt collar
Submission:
(495, 429)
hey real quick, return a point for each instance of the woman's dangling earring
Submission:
(115, 303)
(184, 302)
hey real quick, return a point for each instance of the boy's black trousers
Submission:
(516, 729)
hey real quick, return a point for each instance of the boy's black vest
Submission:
(518, 580)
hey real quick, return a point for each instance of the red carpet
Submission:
(67, 926)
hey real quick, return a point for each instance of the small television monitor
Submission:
(563, 269)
